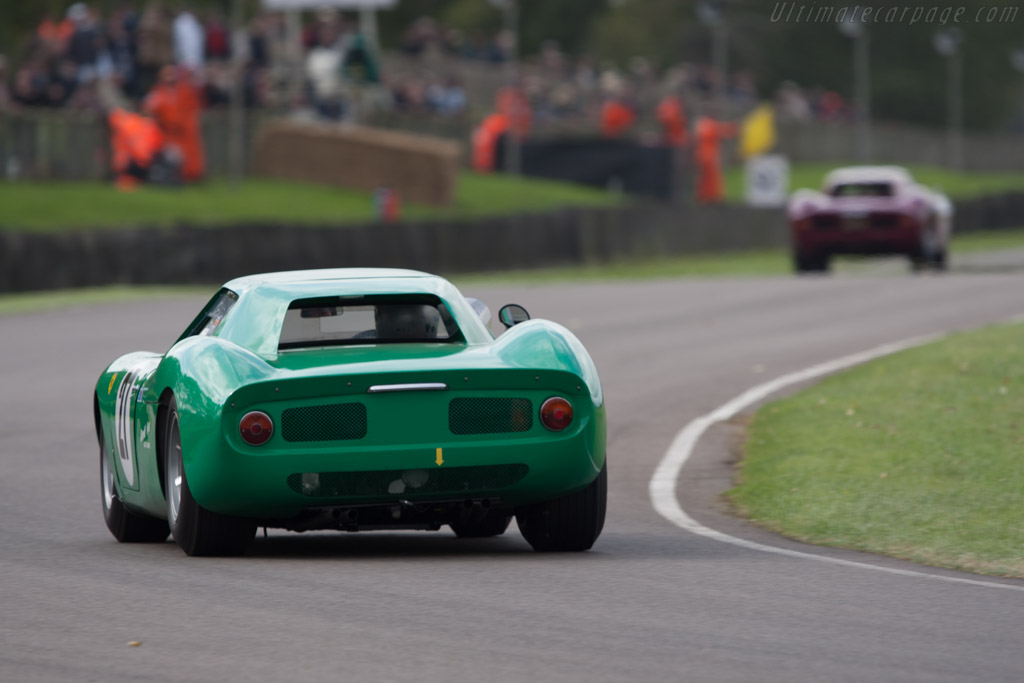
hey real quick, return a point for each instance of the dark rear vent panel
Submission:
(489, 415)
(440, 481)
(332, 422)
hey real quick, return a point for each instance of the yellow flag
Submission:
(758, 131)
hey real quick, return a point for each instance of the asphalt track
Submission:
(651, 602)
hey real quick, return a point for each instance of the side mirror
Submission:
(512, 314)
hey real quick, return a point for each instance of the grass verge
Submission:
(72, 205)
(957, 184)
(916, 456)
(32, 302)
(755, 263)
(993, 240)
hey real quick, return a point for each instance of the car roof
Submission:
(307, 279)
(868, 174)
(255, 321)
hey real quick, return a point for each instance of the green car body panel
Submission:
(415, 435)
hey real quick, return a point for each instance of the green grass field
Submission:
(64, 206)
(957, 184)
(916, 455)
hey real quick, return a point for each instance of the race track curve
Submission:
(650, 602)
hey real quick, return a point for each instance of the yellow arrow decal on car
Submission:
(439, 460)
(111, 385)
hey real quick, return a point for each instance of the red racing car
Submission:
(869, 210)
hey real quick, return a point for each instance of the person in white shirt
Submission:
(188, 40)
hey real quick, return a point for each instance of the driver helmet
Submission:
(406, 321)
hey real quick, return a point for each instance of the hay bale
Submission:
(421, 169)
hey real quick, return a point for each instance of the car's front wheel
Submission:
(199, 532)
(125, 525)
(569, 523)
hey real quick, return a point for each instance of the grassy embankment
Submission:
(70, 205)
(67, 206)
(916, 455)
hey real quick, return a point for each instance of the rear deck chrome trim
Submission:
(421, 386)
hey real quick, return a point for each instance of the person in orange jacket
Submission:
(672, 117)
(135, 143)
(175, 103)
(485, 142)
(709, 134)
(616, 118)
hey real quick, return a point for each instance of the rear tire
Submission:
(804, 262)
(569, 523)
(198, 531)
(484, 528)
(125, 525)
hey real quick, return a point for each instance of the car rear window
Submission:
(378, 319)
(862, 190)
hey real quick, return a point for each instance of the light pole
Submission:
(236, 113)
(510, 15)
(1017, 59)
(711, 14)
(947, 43)
(858, 32)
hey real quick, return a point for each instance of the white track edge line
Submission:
(663, 483)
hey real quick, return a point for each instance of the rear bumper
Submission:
(902, 238)
(283, 484)
(874, 242)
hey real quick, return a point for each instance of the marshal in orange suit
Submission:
(709, 134)
(175, 103)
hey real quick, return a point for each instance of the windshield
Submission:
(380, 319)
(862, 190)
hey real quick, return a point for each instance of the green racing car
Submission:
(354, 400)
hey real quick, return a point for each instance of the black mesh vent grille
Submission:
(332, 422)
(489, 415)
(440, 481)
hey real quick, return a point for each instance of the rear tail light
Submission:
(256, 428)
(556, 413)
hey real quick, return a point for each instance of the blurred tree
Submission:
(908, 77)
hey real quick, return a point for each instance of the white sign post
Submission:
(767, 180)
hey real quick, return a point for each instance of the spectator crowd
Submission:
(84, 60)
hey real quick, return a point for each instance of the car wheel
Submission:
(569, 523)
(804, 262)
(488, 526)
(801, 262)
(198, 531)
(125, 525)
